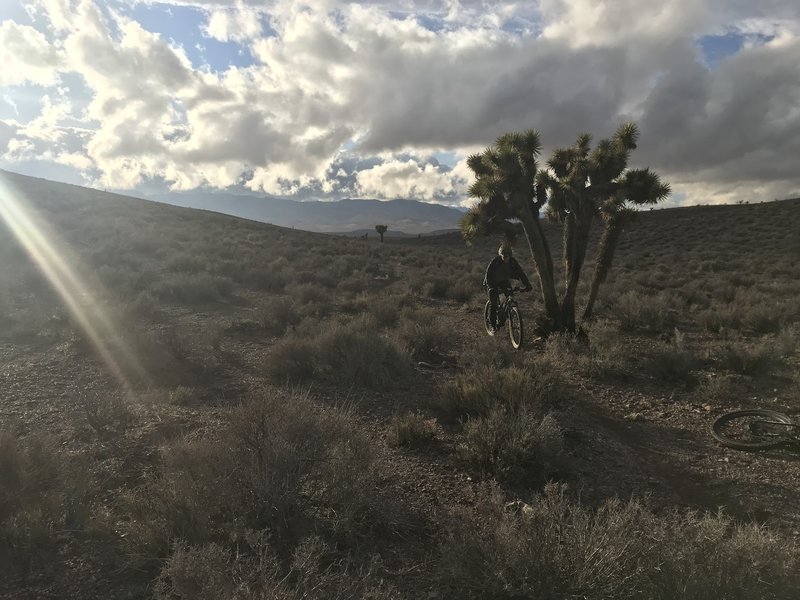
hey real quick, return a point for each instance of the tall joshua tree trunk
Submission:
(614, 224)
(544, 263)
(576, 241)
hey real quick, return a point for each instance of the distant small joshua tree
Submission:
(381, 229)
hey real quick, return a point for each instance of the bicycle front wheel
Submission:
(487, 322)
(515, 327)
(754, 429)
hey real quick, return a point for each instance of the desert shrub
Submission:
(266, 279)
(474, 393)
(412, 429)
(423, 337)
(308, 293)
(106, 412)
(357, 352)
(720, 318)
(487, 353)
(254, 572)
(512, 445)
(385, 310)
(194, 289)
(186, 263)
(636, 311)
(40, 492)
(141, 306)
(745, 358)
(277, 314)
(279, 462)
(291, 360)
(671, 363)
(715, 390)
(764, 317)
(556, 548)
(462, 290)
(786, 341)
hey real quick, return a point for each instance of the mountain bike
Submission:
(507, 313)
(755, 429)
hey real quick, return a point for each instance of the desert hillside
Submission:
(194, 405)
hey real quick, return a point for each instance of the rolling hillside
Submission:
(200, 405)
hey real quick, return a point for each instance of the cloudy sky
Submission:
(385, 99)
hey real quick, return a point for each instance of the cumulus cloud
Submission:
(234, 24)
(346, 99)
(409, 178)
(26, 56)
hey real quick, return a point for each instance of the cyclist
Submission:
(501, 270)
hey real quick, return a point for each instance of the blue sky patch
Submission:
(717, 48)
(184, 25)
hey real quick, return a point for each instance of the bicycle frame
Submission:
(505, 306)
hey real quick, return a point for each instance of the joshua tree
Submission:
(381, 229)
(579, 184)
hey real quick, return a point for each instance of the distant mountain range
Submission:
(355, 217)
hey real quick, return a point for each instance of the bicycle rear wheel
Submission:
(487, 322)
(515, 327)
(754, 429)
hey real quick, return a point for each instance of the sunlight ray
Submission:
(84, 306)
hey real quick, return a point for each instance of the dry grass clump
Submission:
(253, 571)
(508, 429)
(277, 314)
(200, 288)
(282, 463)
(672, 362)
(636, 311)
(758, 358)
(423, 336)
(474, 393)
(716, 390)
(106, 413)
(40, 493)
(556, 548)
(517, 446)
(352, 351)
(412, 429)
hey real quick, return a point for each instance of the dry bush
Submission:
(106, 413)
(291, 360)
(253, 572)
(716, 390)
(635, 311)
(357, 352)
(672, 362)
(41, 492)
(308, 293)
(385, 310)
(423, 337)
(277, 314)
(517, 446)
(281, 463)
(412, 429)
(194, 289)
(721, 318)
(758, 358)
(555, 548)
(474, 393)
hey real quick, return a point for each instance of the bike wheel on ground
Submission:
(486, 318)
(754, 429)
(515, 327)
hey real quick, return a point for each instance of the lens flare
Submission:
(84, 306)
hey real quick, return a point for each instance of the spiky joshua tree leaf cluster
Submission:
(578, 185)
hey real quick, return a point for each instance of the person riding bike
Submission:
(501, 270)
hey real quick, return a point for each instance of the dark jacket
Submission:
(499, 273)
